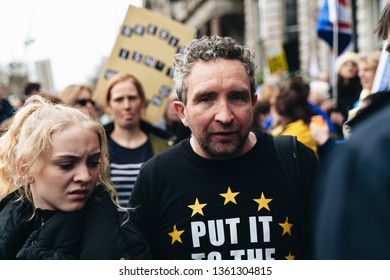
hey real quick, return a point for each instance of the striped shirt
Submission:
(125, 164)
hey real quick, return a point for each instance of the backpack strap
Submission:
(287, 152)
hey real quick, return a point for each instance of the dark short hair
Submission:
(292, 102)
(32, 88)
(383, 27)
(209, 48)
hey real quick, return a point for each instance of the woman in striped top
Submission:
(132, 141)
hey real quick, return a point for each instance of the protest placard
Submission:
(145, 47)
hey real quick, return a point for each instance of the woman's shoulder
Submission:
(6, 200)
(15, 201)
(136, 247)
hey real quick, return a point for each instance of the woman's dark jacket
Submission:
(160, 139)
(94, 232)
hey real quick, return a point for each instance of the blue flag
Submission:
(334, 12)
(382, 73)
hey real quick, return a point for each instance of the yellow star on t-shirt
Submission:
(229, 196)
(263, 202)
(175, 234)
(290, 257)
(286, 227)
(197, 207)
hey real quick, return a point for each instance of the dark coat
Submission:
(352, 198)
(93, 232)
(6, 109)
(160, 139)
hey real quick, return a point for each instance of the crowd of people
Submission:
(208, 182)
(310, 110)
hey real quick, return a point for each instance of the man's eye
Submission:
(205, 99)
(239, 97)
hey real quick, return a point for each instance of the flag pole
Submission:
(335, 51)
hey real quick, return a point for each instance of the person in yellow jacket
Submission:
(292, 112)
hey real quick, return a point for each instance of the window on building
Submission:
(291, 20)
(291, 35)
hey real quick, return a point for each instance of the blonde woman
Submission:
(79, 96)
(367, 67)
(56, 198)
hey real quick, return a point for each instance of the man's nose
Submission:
(224, 113)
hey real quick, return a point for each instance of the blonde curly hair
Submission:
(28, 140)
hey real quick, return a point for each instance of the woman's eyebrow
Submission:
(72, 156)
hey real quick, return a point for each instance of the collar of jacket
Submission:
(377, 102)
(145, 127)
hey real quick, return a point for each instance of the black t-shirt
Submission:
(189, 207)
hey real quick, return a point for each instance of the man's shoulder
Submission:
(375, 126)
(377, 102)
(378, 116)
(302, 148)
(172, 153)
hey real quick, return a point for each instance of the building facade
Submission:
(262, 25)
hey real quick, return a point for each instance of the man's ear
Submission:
(180, 110)
(254, 99)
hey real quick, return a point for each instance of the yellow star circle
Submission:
(197, 207)
(290, 257)
(229, 196)
(175, 234)
(263, 202)
(286, 227)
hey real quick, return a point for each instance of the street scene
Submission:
(195, 130)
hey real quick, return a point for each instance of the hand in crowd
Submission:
(337, 118)
(320, 132)
(327, 105)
